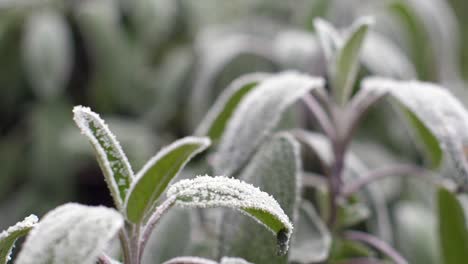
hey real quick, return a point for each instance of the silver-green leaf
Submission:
(153, 179)
(112, 159)
(207, 192)
(72, 234)
(256, 117)
(8, 237)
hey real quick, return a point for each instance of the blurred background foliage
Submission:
(154, 67)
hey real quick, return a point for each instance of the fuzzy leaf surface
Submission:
(112, 159)
(275, 168)
(435, 107)
(190, 260)
(215, 121)
(256, 117)
(72, 234)
(8, 237)
(206, 192)
(153, 179)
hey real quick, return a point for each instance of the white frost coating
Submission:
(229, 260)
(9, 236)
(117, 171)
(220, 104)
(440, 112)
(257, 115)
(72, 234)
(206, 192)
(190, 260)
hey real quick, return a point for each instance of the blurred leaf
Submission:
(344, 69)
(190, 260)
(453, 233)
(72, 234)
(112, 159)
(170, 238)
(153, 179)
(8, 237)
(215, 121)
(275, 168)
(329, 38)
(443, 115)
(417, 241)
(205, 192)
(47, 52)
(311, 240)
(257, 115)
(346, 249)
(227, 260)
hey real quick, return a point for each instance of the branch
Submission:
(395, 170)
(375, 242)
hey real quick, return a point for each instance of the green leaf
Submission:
(453, 233)
(346, 65)
(153, 179)
(443, 115)
(112, 159)
(207, 192)
(329, 38)
(275, 168)
(311, 241)
(256, 117)
(9, 236)
(215, 121)
(72, 234)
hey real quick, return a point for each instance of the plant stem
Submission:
(104, 259)
(375, 242)
(153, 220)
(395, 170)
(320, 116)
(125, 244)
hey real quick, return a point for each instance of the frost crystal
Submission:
(113, 161)
(9, 236)
(206, 191)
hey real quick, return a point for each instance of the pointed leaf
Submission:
(257, 115)
(206, 192)
(9, 236)
(215, 121)
(442, 114)
(453, 232)
(311, 241)
(275, 168)
(329, 38)
(112, 160)
(153, 179)
(72, 234)
(346, 65)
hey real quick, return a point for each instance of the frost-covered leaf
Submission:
(47, 53)
(453, 231)
(8, 237)
(345, 67)
(206, 192)
(275, 168)
(72, 234)
(443, 115)
(311, 240)
(190, 260)
(216, 119)
(257, 115)
(153, 179)
(112, 160)
(227, 260)
(170, 238)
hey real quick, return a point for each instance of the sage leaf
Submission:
(190, 260)
(206, 192)
(8, 237)
(257, 115)
(443, 115)
(276, 169)
(72, 234)
(344, 70)
(217, 117)
(453, 232)
(227, 260)
(153, 179)
(112, 159)
(311, 242)
(329, 38)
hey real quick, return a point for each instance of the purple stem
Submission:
(317, 111)
(378, 244)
